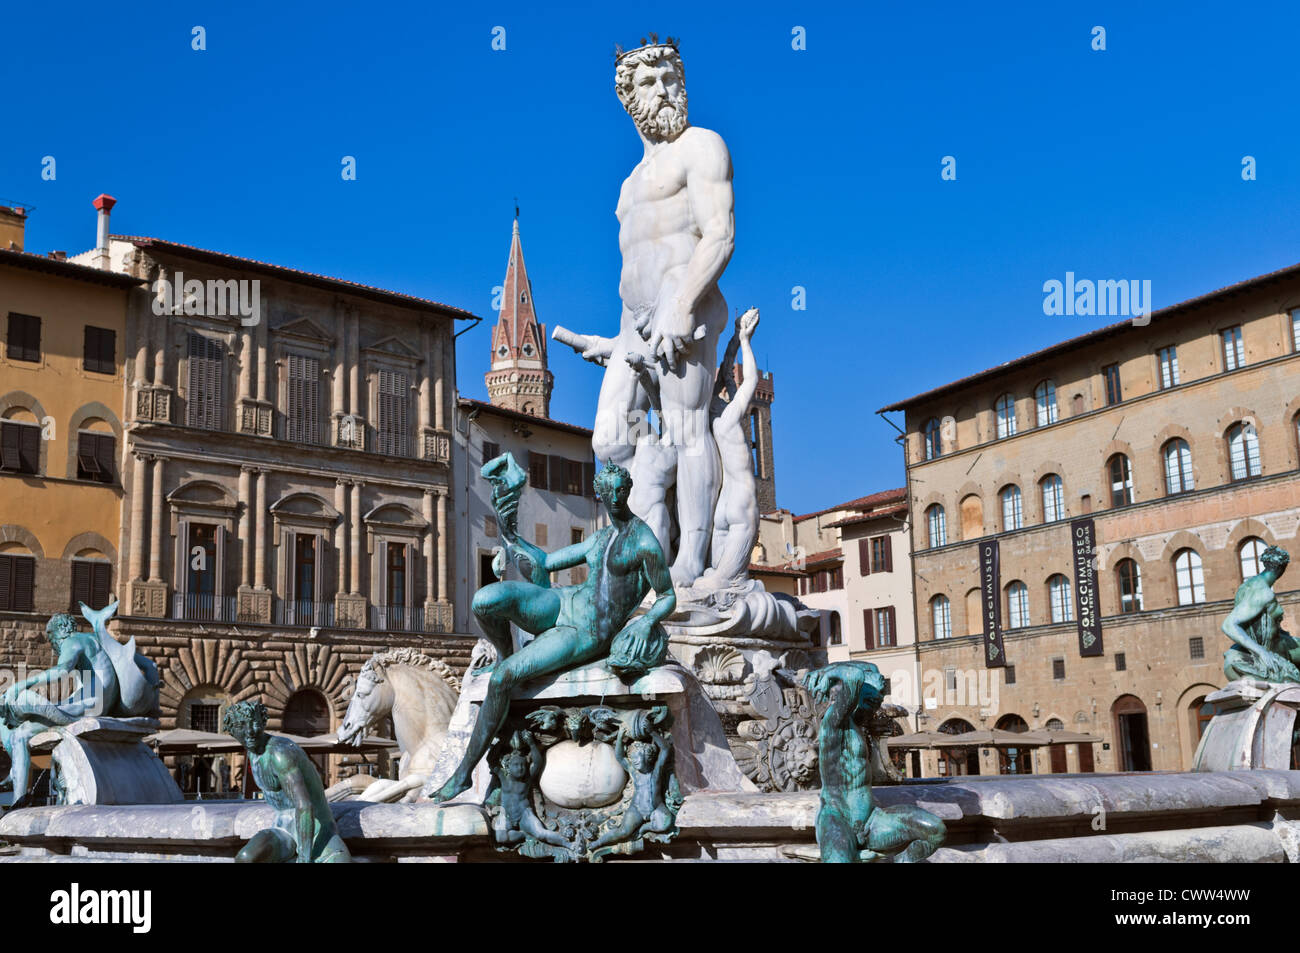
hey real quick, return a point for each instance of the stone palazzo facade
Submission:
(1179, 440)
(288, 503)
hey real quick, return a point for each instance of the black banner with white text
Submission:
(1083, 539)
(991, 592)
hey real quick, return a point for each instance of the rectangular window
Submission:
(20, 447)
(885, 630)
(1168, 366)
(1121, 480)
(95, 456)
(576, 535)
(17, 583)
(304, 571)
(490, 451)
(881, 555)
(1121, 662)
(24, 337)
(1058, 669)
(391, 428)
(1295, 329)
(302, 415)
(1114, 393)
(950, 679)
(1196, 647)
(396, 565)
(90, 583)
(1009, 675)
(99, 348)
(573, 477)
(540, 535)
(837, 577)
(204, 718)
(537, 470)
(205, 400)
(1234, 349)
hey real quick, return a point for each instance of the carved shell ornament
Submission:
(719, 665)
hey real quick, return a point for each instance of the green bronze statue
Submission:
(104, 679)
(1261, 647)
(304, 829)
(573, 625)
(850, 828)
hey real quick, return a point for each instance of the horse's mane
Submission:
(376, 664)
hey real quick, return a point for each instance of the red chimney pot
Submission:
(105, 202)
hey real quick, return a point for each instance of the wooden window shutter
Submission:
(537, 469)
(589, 479)
(205, 404)
(410, 580)
(182, 581)
(864, 555)
(888, 547)
(22, 597)
(105, 454)
(303, 416)
(101, 579)
(81, 583)
(24, 337)
(6, 581)
(556, 475)
(392, 408)
(10, 444)
(403, 427)
(318, 578)
(87, 459)
(29, 451)
(219, 567)
(294, 410)
(492, 450)
(99, 347)
(869, 629)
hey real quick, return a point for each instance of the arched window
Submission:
(837, 634)
(1006, 413)
(974, 612)
(1178, 467)
(1014, 760)
(941, 617)
(1121, 480)
(972, 517)
(1012, 515)
(1017, 604)
(1190, 576)
(1243, 451)
(1045, 403)
(1053, 498)
(1058, 589)
(1055, 724)
(1252, 557)
(933, 439)
(1129, 578)
(958, 760)
(938, 523)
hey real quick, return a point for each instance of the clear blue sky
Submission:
(1117, 164)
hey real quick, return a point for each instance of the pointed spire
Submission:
(519, 378)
